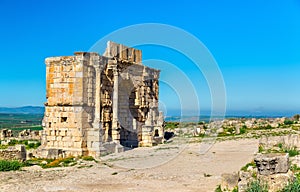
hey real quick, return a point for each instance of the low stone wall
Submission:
(292, 140)
(17, 152)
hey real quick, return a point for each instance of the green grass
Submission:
(248, 165)
(292, 151)
(171, 125)
(257, 186)
(10, 165)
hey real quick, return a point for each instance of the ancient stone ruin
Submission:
(98, 104)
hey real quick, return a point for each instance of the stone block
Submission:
(276, 182)
(229, 181)
(273, 163)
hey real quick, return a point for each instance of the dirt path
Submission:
(169, 167)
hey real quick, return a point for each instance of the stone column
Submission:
(115, 123)
(94, 135)
(97, 118)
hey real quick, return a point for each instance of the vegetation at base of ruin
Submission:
(257, 186)
(10, 165)
(61, 162)
(88, 158)
(252, 164)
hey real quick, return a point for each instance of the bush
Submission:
(88, 158)
(218, 189)
(257, 186)
(10, 165)
(243, 129)
(292, 152)
(288, 122)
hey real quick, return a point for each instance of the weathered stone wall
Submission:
(70, 102)
(94, 100)
(17, 152)
(288, 141)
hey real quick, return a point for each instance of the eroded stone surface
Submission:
(97, 103)
(273, 163)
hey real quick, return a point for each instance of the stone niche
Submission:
(100, 103)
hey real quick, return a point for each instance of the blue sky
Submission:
(255, 43)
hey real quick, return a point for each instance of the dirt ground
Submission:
(174, 166)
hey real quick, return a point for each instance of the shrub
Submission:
(88, 158)
(292, 151)
(260, 149)
(288, 122)
(218, 189)
(257, 186)
(268, 127)
(12, 142)
(243, 129)
(10, 165)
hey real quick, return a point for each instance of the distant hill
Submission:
(24, 110)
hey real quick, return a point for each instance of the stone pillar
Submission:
(115, 123)
(94, 135)
(96, 123)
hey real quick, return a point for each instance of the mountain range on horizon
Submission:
(170, 113)
(23, 110)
